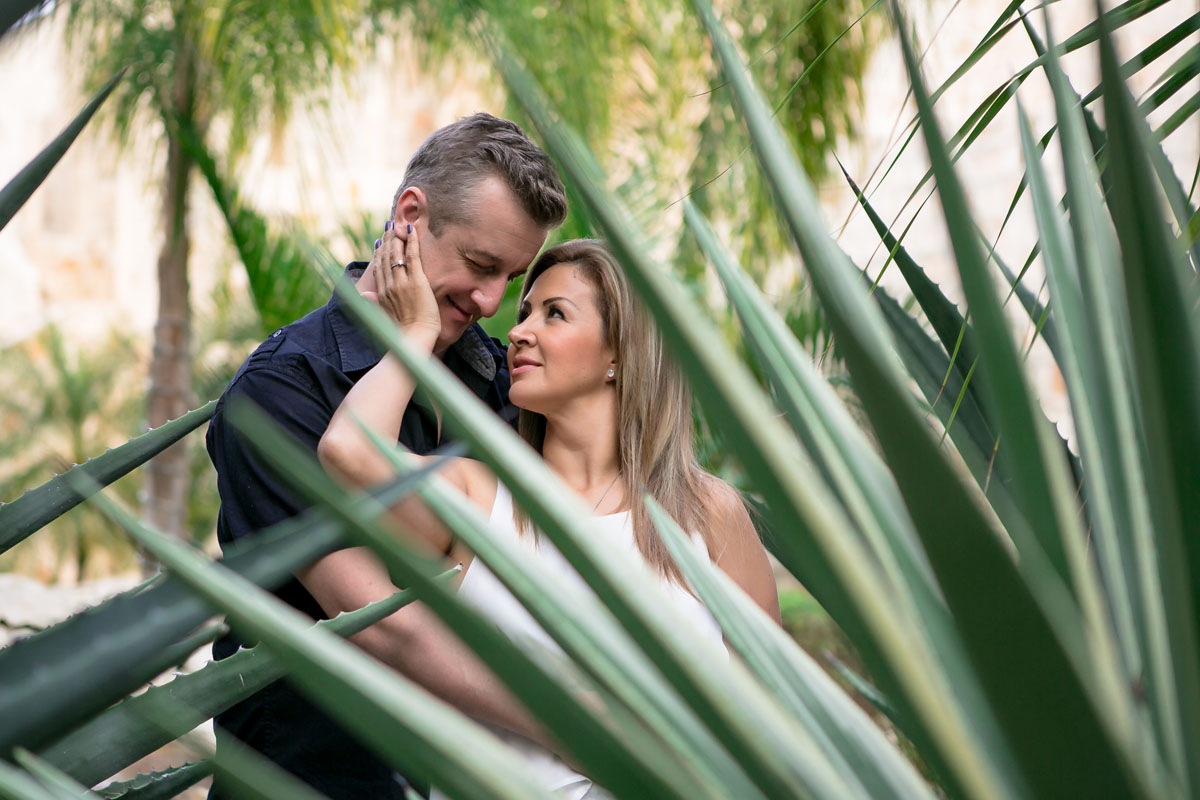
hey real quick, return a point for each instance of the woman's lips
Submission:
(523, 368)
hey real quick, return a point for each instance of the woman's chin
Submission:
(532, 409)
(526, 401)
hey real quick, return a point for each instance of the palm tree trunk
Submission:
(165, 498)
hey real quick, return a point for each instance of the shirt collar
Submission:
(356, 348)
(479, 352)
(475, 350)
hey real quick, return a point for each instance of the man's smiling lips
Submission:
(462, 315)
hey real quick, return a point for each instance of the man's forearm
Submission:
(414, 642)
(417, 644)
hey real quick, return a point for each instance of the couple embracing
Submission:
(598, 398)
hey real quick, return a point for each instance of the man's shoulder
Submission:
(298, 350)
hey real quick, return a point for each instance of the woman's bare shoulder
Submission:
(737, 550)
(722, 503)
(474, 479)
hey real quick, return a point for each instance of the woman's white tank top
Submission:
(483, 590)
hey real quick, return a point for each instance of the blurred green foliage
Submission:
(67, 404)
(61, 406)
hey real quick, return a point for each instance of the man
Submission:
(481, 199)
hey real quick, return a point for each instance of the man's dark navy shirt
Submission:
(299, 376)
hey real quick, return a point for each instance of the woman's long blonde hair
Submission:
(654, 408)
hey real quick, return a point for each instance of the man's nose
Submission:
(487, 298)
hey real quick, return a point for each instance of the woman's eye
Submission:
(554, 311)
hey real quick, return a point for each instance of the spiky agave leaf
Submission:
(1166, 347)
(161, 785)
(119, 736)
(397, 719)
(92, 659)
(37, 507)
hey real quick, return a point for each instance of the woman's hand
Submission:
(402, 289)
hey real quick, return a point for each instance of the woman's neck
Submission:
(581, 446)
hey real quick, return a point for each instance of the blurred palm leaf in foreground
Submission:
(1036, 635)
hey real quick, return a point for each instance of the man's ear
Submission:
(410, 208)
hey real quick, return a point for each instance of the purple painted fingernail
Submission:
(410, 228)
(387, 226)
(378, 243)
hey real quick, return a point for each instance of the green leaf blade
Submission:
(83, 664)
(1168, 384)
(786, 478)
(119, 736)
(37, 507)
(25, 183)
(1099, 376)
(848, 737)
(947, 517)
(395, 718)
(162, 785)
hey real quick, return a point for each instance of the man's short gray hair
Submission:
(454, 159)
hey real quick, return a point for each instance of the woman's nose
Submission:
(519, 333)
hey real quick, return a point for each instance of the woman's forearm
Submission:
(377, 401)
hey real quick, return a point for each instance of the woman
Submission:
(609, 414)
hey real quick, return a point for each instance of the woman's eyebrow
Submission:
(550, 300)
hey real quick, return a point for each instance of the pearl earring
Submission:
(612, 373)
